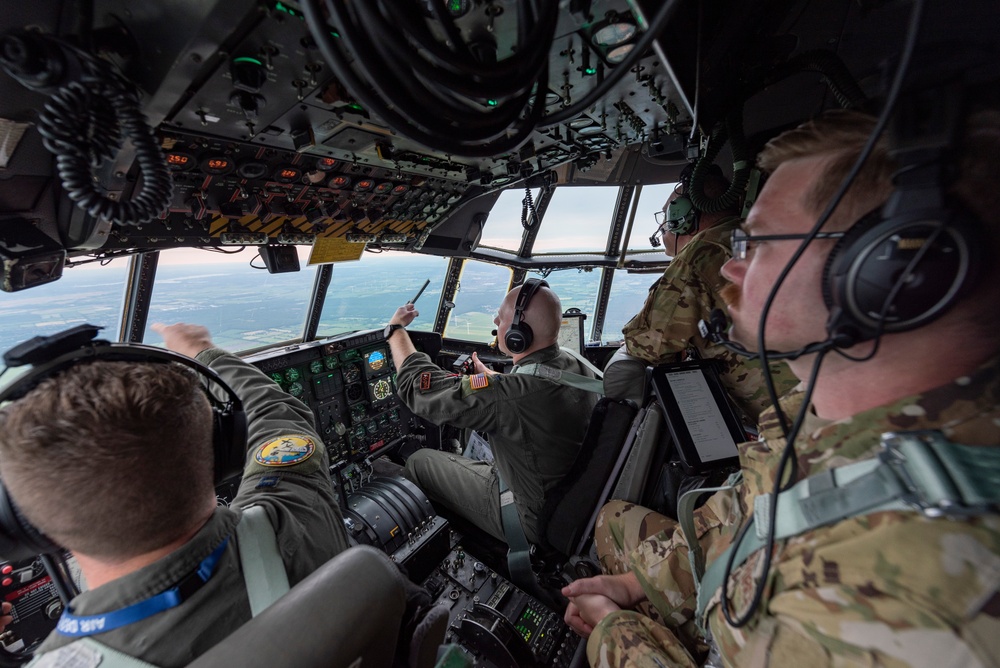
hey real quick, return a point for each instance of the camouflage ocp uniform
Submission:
(885, 589)
(687, 292)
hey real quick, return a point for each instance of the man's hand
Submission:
(185, 339)
(404, 315)
(5, 616)
(591, 599)
(479, 367)
(584, 612)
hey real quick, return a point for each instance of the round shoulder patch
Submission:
(285, 451)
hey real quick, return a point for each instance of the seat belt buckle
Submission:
(933, 478)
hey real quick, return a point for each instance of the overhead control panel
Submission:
(264, 142)
(234, 193)
(349, 382)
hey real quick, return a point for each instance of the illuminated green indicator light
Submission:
(455, 6)
(491, 103)
(335, 34)
(355, 107)
(590, 71)
(282, 7)
(247, 60)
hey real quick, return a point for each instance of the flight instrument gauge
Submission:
(376, 360)
(381, 389)
(351, 374)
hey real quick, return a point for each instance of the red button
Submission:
(7, 570)
(6, 582)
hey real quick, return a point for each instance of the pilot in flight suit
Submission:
(292, 484)
(535, 426)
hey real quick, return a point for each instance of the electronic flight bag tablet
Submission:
(701, 421)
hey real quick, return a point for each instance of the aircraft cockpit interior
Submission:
(287, 173)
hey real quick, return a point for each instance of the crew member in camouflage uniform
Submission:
(535, 425)
(688, 291)
(888, 588)
(113, 460)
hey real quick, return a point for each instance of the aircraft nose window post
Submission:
(800, 369)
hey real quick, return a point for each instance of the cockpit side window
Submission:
(243, 307)
(628, 292)
(503, 228)
(88, 293)
(482, 288)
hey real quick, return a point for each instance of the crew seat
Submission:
(347, 613)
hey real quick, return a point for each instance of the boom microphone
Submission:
(714, 330)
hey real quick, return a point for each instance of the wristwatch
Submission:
(389, 329)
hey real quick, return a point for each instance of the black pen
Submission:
(420, 292)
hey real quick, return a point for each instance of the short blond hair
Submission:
(838, 135)
(110, 459)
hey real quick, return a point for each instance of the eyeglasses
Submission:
(661, 220)
(740, 240)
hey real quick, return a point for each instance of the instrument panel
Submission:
(349, 382)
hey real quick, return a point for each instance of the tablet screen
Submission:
(701, 421)
(701, 415)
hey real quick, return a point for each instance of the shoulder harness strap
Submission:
(567, 378)
(263, 569)
(918, 471)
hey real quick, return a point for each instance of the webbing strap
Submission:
(916, 471)
(685, 516)
(519, 551)
(567, 378)
(263, 569)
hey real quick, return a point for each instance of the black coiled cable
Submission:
(83, 124)
(449, 94)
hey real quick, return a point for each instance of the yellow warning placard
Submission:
(334, 249)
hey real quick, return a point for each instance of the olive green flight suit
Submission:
(299, 500)
(535, 427)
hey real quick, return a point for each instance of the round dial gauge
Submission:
(382, 389)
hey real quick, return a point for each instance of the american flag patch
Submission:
(479, 381)
(425, 380)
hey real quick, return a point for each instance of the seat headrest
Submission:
(625, 377)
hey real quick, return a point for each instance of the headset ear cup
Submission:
(867, 264)
(518, 339)
(682, 217)
(229, 433)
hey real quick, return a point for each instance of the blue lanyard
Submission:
(78, 627)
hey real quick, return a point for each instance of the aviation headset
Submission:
(682, 217)
(519, 336)
(905, 264)
(50, 356)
